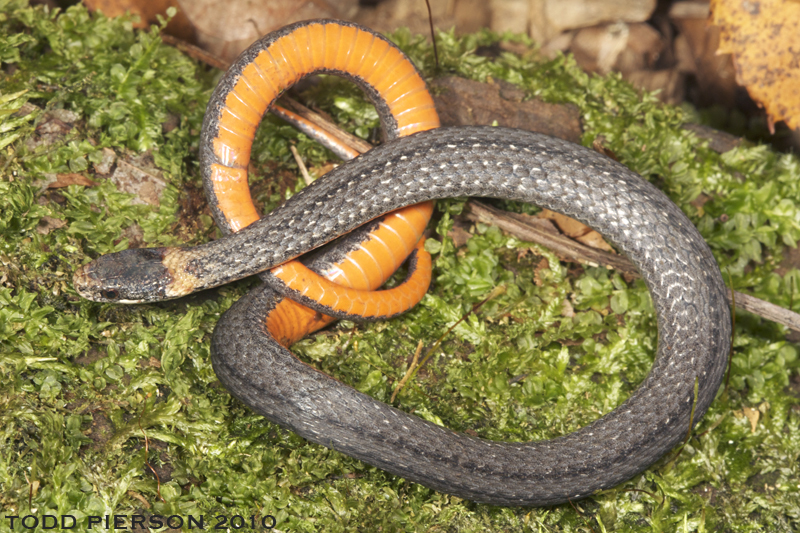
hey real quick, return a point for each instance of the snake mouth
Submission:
(90, 286)
(136, 275)
(87, 286)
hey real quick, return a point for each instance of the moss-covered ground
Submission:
(95, 398)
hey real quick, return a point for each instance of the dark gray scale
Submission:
(676, 264)
(683, 278)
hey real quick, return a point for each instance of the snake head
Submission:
(130, 276)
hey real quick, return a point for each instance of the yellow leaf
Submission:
(764, 38)
(753, 416)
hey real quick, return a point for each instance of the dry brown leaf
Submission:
(137, 174)
(134, 494)
(106, 163)
(539, 223)
(567, 310)
(65, 180)
(227, 28)
(459, 235)
(147, 10)
(322, 169)
(48, 224)
(752, 415)
(575, 230)
(764, 38)
(544, 264)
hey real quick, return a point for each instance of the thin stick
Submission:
(411, 368)
(583, 517)
(649, 494)
(569, 250)
(562, 246)
(214, 61)
(347, 138)
(147, 453)
(195, 52)
(500, 289)
(301, 165)
(433, 35)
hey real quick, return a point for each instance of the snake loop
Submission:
(675, 262)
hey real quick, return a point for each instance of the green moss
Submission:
(84, 383)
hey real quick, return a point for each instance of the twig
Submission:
(209, 59)
(719, 141)
(562, 246)
(147, 453)
(582, 515)
(569, 250)
(359, 145)
(195, 52)
(300, 164)
(411, 368)
(433, 34)
(649, 493)
(497, 291)
(767, 310)
(565, 248)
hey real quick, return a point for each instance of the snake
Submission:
(365, 259)
(679, 270)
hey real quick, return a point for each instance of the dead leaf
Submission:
(599, 146)
(227, 28)
(53, 128)
(459, 235)
(137, 174)
(699, 202)
(764, 38)
(106, 163)
(65, 180)
(575, 230)
(544, 264)
(147, 10)
(322, 169)
(753, 416)
(48, 224)
(539, 223)
(134, 494)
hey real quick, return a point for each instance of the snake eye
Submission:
(110, 294)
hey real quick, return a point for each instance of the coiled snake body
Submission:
(247, 351)
(676, 264)
(680, 272)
